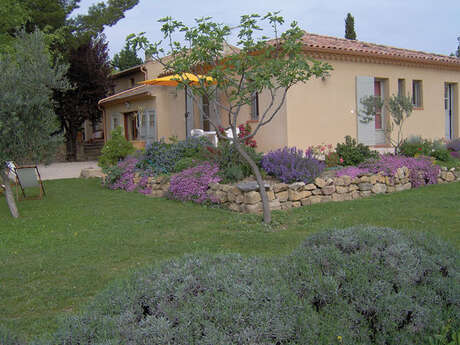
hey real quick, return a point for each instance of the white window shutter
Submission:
(366, 130)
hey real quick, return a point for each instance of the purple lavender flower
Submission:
(192, 184)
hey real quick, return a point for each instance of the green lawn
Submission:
(66, 248)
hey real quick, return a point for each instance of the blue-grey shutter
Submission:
(142, 124)
(151, 126)
(366, 129)
(117, 117)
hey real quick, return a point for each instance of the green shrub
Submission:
(332, 159)
(115, 149)
(416, 145)
(185, 163)
(232, 166)
(366, 285)
(352, 153)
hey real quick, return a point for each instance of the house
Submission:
(319, 111)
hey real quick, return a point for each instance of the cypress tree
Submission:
(350, 27)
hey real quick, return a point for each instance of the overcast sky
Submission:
(426, 25)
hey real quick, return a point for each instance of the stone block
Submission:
(310, 187)
(379, 188)
(391, 189)
(286, 205)
(373, 179)
(296, 204)
(389, 181)
(251, 197)
(296, 186)
(234, 207)
(275, 205)
(365, 193)
(294, 195)
(353, 187)
(404, 180)
(341, 189)
(270, 195)
(319, 182)
(346, 180)
(364, 178)
(339, 181)
(365, 186)
(253, 208)
(315, 199)
(251, 186)
(306, 201)
(282, 196)
(158, 193)
(316, 191)
(328, 190)
(214, 186)
(380, 178)
(355, 195)
(239, 199)
(338, 197)
(401, 187)
(226, 187)
(280, 187)
(221, 196)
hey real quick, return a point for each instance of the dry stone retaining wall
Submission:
(245, 196)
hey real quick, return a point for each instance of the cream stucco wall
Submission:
(324, 111)
(128, 82)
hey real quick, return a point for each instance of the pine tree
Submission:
(350, 27)
(126, 58)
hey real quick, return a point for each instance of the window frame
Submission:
(417, 94)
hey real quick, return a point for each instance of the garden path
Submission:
(64, 170)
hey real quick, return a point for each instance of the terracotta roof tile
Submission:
(314, 41)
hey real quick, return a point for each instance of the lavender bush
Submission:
(422, 171)
(454, 148)
(122, 175)
(291, 165)
(192, 184)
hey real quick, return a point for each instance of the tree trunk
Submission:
(260, 182)
(71, 144)
(9, 194)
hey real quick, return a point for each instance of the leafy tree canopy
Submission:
(27, 117)
(126, 58)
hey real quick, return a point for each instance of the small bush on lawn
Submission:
(161, 158)
(352, 153)
(192, 184)
(291, 165)
(366, 285)
(122, 176)
(115, 149)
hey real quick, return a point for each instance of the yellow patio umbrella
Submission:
(176, 79)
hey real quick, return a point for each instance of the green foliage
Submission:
(231, 167)
(352, 153)
(400, 108)
(416, 145)
(27, 117)
(332, 159)
(447, 336)
(115, 149)
(185, 163)
(12, 16)
(367, 285)
(350, 27)
(126, 58)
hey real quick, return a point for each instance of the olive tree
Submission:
(27, 116)
(255, 64)
(399, 107)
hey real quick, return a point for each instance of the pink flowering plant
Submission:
(192, 184)
(320, 151)
(421, 169)
(122, 176)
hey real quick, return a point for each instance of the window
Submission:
(401, 87)
(255, 106)
(417, 99)
(132, 82)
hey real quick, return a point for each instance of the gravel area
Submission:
(64, 170)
